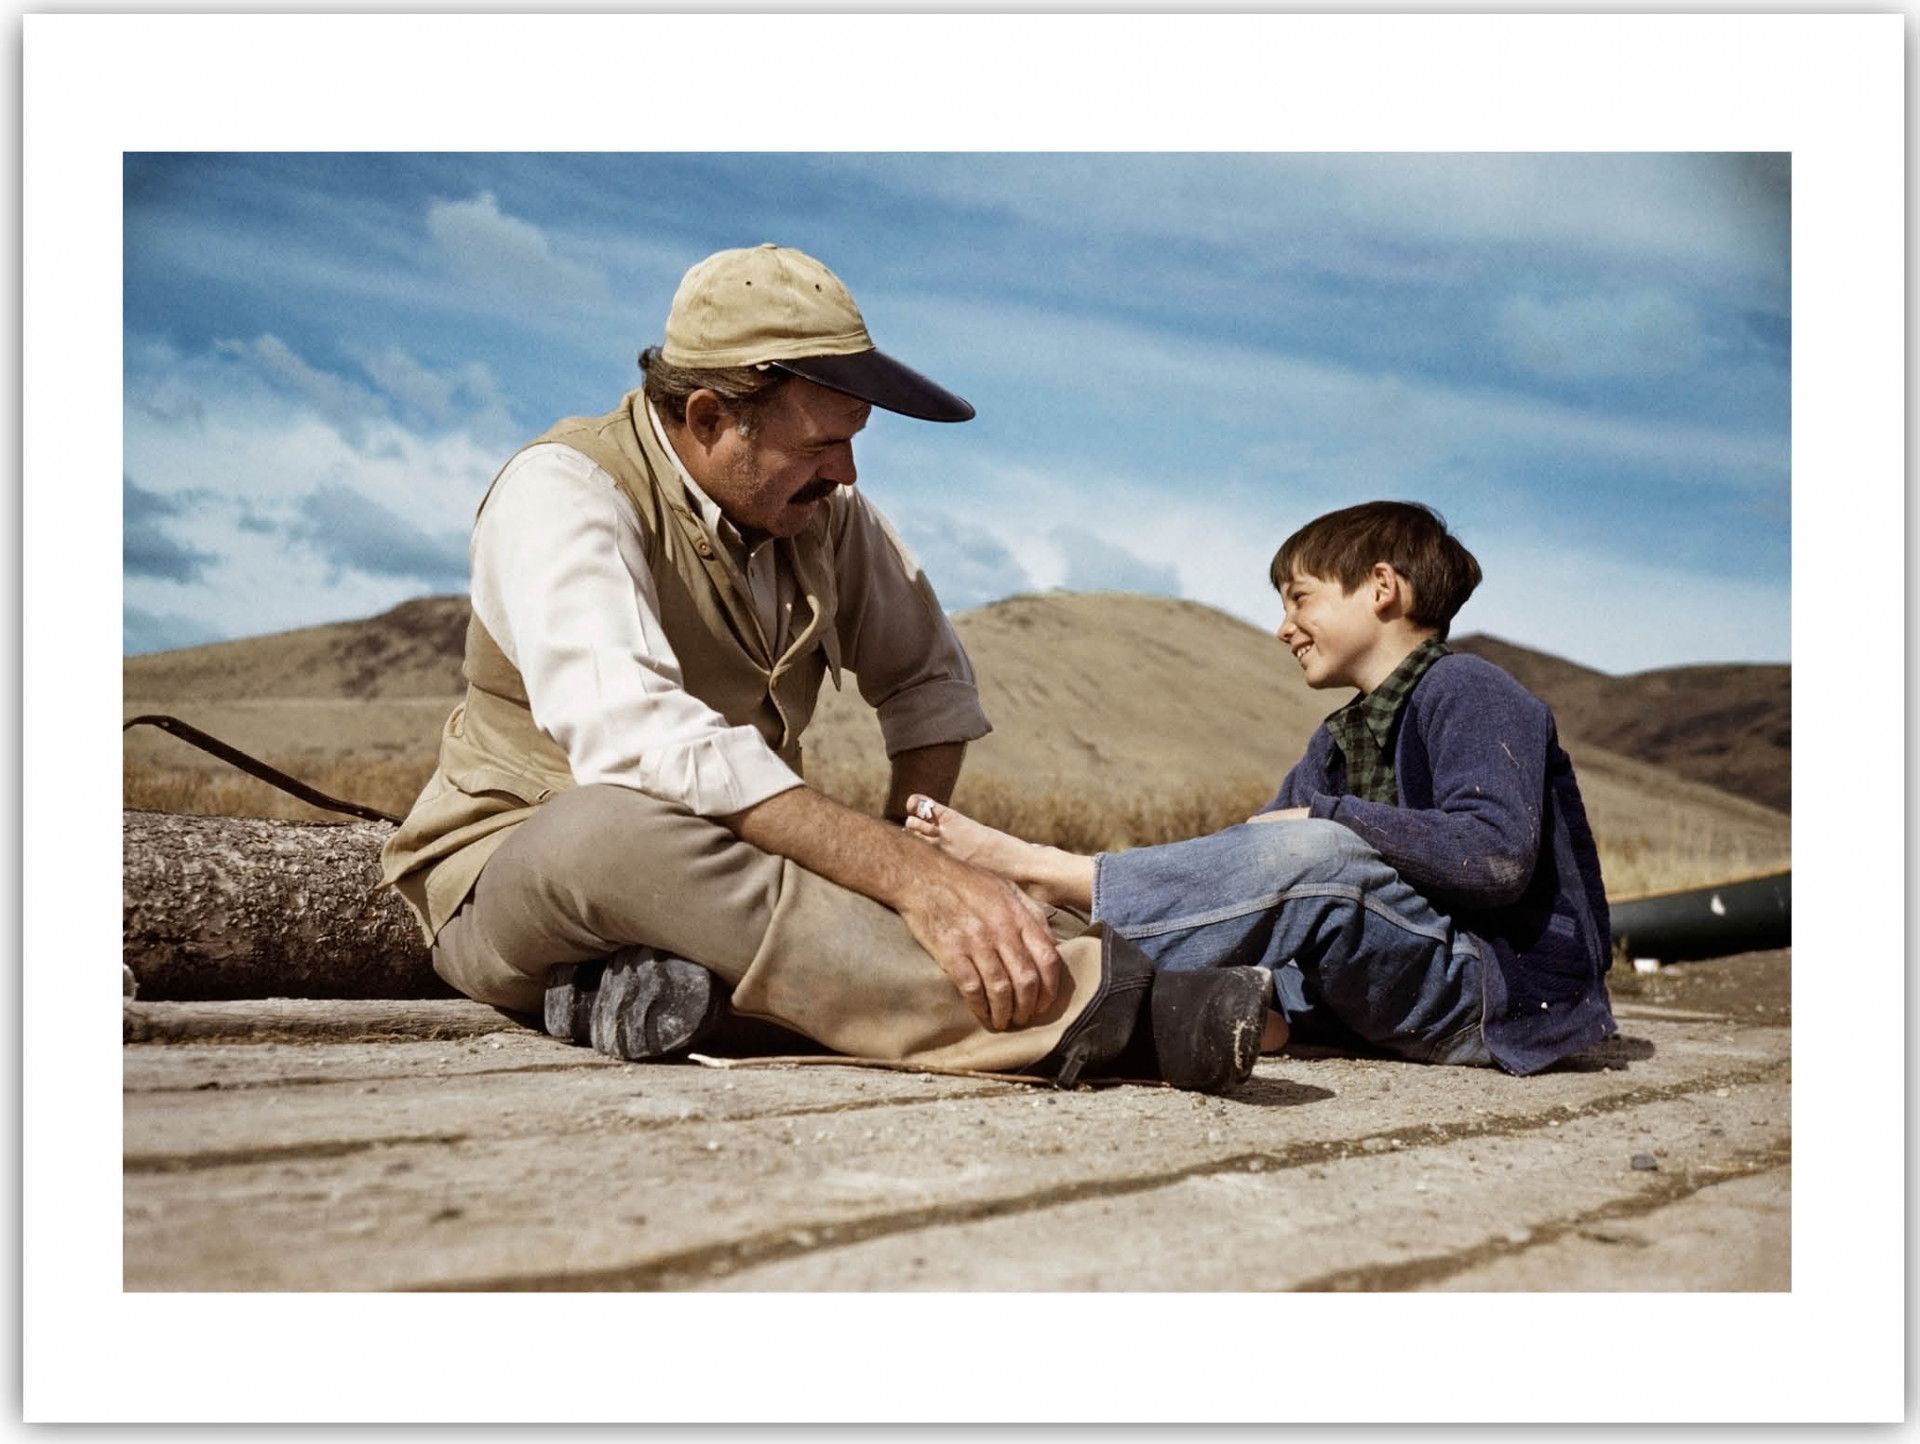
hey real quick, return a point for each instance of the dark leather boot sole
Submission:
(567, 1010)
(638, 1004)
(1207, 1025)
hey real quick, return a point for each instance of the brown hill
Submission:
(1728, 726)
(1107, 688)
(1108, 692)
(411, 651)
(1097, 699)
(1113, 692)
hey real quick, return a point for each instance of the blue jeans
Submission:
(1357, 954)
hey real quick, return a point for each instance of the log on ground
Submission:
(242, 907)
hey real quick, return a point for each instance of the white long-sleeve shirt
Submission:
(561, 583)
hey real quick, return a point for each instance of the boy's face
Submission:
(1331, 632)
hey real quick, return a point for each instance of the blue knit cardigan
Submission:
(1490, 827)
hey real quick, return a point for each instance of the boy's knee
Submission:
(1314, 848)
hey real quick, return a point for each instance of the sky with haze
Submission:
(1581, 360)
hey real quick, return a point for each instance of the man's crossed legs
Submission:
(597, 870)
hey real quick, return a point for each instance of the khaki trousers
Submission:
(597, 868)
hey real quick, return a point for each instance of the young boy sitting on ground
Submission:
(1425, 881)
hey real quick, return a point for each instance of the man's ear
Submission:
(705, 417)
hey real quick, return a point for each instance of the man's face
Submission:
(1330, 631)
(777, 479)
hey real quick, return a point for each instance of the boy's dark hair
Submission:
(1411, 538)
(747, 391)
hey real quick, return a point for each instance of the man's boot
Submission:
(567, 1008)
(640, 1003)
(1206, 1026)
(1198, 1031)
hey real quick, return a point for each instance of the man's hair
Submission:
(747, 391)
(1413, 539)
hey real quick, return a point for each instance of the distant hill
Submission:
(1118, 691)
(1728, 726)
(1094, 697)
(1110, 687)
(1090, 681)
(411, 651)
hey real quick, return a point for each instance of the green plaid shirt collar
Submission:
(1363, 729)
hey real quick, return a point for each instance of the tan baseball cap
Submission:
(772, 305)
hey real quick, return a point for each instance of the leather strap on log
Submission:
(313, 797)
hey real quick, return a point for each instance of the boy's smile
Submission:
(1345, 638)
(1328, 630)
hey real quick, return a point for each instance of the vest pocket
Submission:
(478, 780)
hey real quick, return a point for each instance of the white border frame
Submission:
(1828, 88)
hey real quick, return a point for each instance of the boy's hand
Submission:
(1285, 814)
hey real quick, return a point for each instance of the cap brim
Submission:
(876, 377)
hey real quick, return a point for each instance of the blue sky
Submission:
(1582, 360)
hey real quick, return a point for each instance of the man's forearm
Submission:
(842, 845)
(933, 770)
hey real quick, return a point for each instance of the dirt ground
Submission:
(375, 1146)
(1756, 987)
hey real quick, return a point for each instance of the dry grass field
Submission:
(1120, 721)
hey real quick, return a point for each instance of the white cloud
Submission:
(388, 272)
(411, 384)
(1203, 547)
(1642, 334)
(1381, 427)
(148, 547)
(1097, 565)
(343, 403)
(353, 532)
(1701, 214)
(967, 564)
(1721, 220)
(510, 257)
(145, 631)
(303, 429)
(466, 396)
(301, 500)
(1620, 615)
(1604, 611)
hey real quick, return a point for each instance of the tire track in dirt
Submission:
(289, 1153)
(708, 1262)
(1421, 1272)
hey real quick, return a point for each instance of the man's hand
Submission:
(988, 937)
(1285, 814)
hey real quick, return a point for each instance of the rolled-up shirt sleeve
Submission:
(561, 582)
(911, 667)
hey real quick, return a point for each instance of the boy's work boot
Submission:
(640, 1003)
(1199, 1031)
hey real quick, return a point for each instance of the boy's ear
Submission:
(1385, 588)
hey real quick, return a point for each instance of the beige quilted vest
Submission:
(496, 765)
